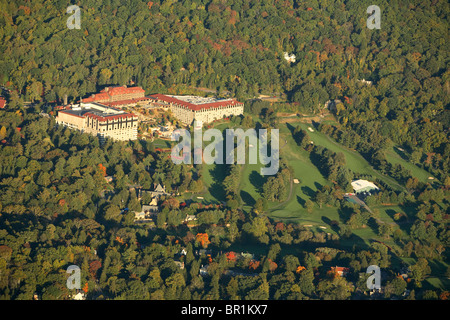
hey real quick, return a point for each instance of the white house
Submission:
(289, 57)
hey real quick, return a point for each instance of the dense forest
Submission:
(238, 46)
(57, 209)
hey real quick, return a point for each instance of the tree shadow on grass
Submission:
(290, 127)
(317, 162)
(216, 189)
(391, 213)
(308, 191)
(247, 198)
(301, 201)
(334, 225)
(318, 186)
(372, 224)
(354, 241)
(410, 211)
(402, 222)
(257, 181)
(345, 213)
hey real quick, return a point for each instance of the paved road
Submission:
(359, 201)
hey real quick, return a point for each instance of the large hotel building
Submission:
(188, 108)
(100, 120)
(99, 114)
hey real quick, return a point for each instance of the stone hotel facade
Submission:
(100, 120)
(188, 108)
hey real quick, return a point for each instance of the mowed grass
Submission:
(212, 175)
(310, 181)
(250, 188)
(358, 164)
(393, 156)
(437, 279)
(292, 209)
(161, 143)
(354, 160)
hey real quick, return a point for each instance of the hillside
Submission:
(238, 46)
(357, 103)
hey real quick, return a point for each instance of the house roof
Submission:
(113, 91)
(148, 208)
(340, 269)
(109, 92)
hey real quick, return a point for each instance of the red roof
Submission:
(340, 269)
(196, 107)
(97, 97)
(122, 90)
(109, 92)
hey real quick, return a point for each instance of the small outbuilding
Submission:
(363, 186)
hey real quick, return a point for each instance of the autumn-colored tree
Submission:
(26, 10)
(300, 269)
(93, 268)
(171, 203)
(203, 239)
(445, 295)
(279, 226)
(331, 274)
(86, 288)
(120, 240)
(102, 169)
(231, 256)
(254, 264)
(272, 265)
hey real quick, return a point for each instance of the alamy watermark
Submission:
(74, 21)
(74, 280)
(215, 151)
(374, 281)
(374, 20)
